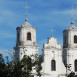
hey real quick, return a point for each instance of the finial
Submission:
(72, 15)
(52, 30)
(72, 21)
(26, 13)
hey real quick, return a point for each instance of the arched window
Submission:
(75, 39)
(17, 37)
(28, 36)
(53, 65)
(75, 63)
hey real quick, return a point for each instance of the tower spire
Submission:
(72, 21)
(26, 19)
(72, 15)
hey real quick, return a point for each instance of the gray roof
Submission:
(72, 27)
(26, 24)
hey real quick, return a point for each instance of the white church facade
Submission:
(55, 60)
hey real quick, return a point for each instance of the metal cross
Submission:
(26, 10)
(72, 12)
(52, 31)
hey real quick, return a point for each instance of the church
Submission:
(56, 61)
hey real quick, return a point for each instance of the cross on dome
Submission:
(26, 12)
(26, 24)
(72, 15)
(52, 31)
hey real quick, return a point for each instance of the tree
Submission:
(2, 65)
(3, 71)
(21, 68)
(38, 66)
(72, 74)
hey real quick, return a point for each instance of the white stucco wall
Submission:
(24, 46)
(53, 51)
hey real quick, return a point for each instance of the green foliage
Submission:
(1, 59)
(2, 65)
(21, 68)
(72, 74)
(38, 66)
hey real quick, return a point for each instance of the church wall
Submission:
(71, 56)
(17, 54)
(26, 41)
(23, 36)
(65, 39)
(53, 54)
(53, 51)
(69, 39)
(57, 56)
(70, 50)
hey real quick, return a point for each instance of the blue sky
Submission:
(46, 15)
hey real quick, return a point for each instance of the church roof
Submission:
(52, 43)
(72, 27)
(26, 24)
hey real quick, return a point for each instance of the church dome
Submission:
(72, 27)
(26, 24)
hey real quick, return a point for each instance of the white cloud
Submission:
(8, 12)
(65, 12)
(6, 16)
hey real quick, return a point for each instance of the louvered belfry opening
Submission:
(75, 65)
(75, 39)
(28, 36)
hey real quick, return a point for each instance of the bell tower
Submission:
(70, 37)
(26, 40)
(70, 47)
